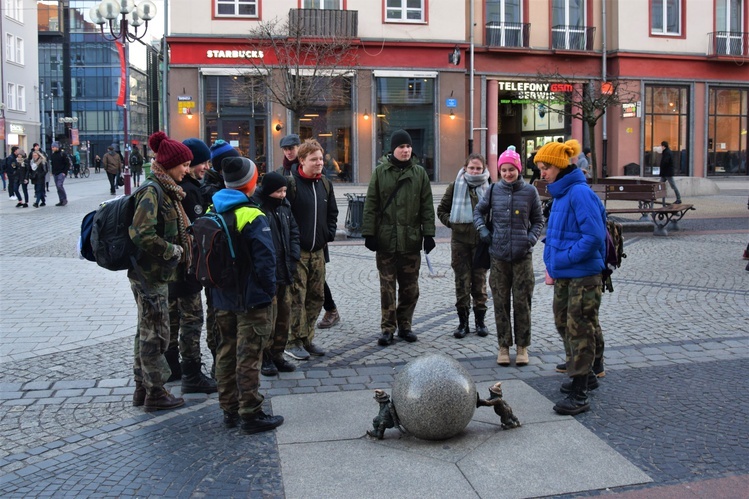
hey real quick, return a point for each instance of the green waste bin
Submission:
(355, 214)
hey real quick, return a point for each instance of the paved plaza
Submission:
(669, 419)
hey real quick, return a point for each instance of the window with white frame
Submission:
(14, 9)
(20, 98)
(19, 51)
(323, 4)
(404, 10)
(236, 8)
(665, 17)
(10, 47)
(15, 97)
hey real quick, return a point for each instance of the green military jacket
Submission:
(409, 216)
(462, 233)
(155, 231)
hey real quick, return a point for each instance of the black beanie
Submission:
(398, 138)
(272, 181)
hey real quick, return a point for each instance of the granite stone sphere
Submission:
(434, 397)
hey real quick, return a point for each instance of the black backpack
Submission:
(104, 232)
(216, 244)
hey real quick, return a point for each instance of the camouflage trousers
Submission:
(211, 332)
(280, 321)
(401, 269)
(151, 335)
(185, 324)
(307, 296)
(469, 282)
(576, 304)
(512, 286)
(241, 337)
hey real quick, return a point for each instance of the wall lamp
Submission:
(279, 127)
(366, 114)
(189, 114)
(452, 115)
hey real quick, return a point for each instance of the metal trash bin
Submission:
(355, 214)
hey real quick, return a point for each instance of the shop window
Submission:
(404, 11)
(727, 131)
(236, 8)
(666, 118)
(398, 107)
(665, 17)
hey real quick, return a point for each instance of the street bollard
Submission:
(126, 178)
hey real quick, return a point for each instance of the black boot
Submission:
(385, 340)
(592, 383)
(268, 368)
(283, 365)
(463, 328)
(480, 326)
(193, 379)
(260, 422)
(577, 401)
(172, 358)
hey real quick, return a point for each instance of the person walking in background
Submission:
(9, 168)
(271, 198)
(159, 231)
(59, 165)
(97, 164)
(136, 165)
(243, 315)
(316, 213)
(531, 165)
(575, 247)
(398, 220)
(583, 162)
(455, 211)
(21, 175)
(185, 305)
(38, 177)
(667, 170)
(76, 163)
(113, 166)
(517, 220)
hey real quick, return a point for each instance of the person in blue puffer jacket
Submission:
(574, 257)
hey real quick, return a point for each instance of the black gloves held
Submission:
(370, 242)
(429, 244)
(485, 235)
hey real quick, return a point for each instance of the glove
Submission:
(429, 244)
(485, 235)
(370, 242)
(178, 251)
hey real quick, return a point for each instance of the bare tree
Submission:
(587, 102)
(308, 65)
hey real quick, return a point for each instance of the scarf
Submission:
(462, 210)
(178, 194)
(287, 165)
(308, 177)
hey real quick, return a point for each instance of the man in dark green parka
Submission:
(398, 222)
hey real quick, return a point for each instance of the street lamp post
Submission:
(129, 15)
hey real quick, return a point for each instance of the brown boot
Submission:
(139, 395)
(159, 399)
(330, 319)
(503, 359)
(522, 357)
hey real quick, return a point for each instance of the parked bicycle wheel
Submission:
(85, 172)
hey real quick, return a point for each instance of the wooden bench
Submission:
(650, 197)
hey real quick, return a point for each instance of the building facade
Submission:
(467, 76)
(19, 118)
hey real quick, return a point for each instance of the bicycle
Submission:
(85, 172)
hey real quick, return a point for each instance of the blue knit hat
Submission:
(200, 151)
(219, 150)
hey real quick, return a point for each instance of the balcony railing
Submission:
(507, 34)
(325, 23)
(728, 43)
(572, 37)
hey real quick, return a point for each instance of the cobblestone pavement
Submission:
(673, 401)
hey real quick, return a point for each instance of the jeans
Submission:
(112, 181)
(22, 186)
(39, 192)
(59, 180)
(671, 182)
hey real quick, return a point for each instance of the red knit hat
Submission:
(169, 153)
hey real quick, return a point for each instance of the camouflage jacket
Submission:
(155, 231)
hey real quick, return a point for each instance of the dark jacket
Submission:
(59, 162)
(285, 234)
(667, 163)
(38, 176)
(136, 162)
(409, 216)
(155, 231)
(316, 212)
(517, 219)
(187, 284)
(22, 169)
(213, 182)
(258, 272)
(461, 233)
(576, 234)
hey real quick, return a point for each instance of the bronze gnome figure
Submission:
(501, 408)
